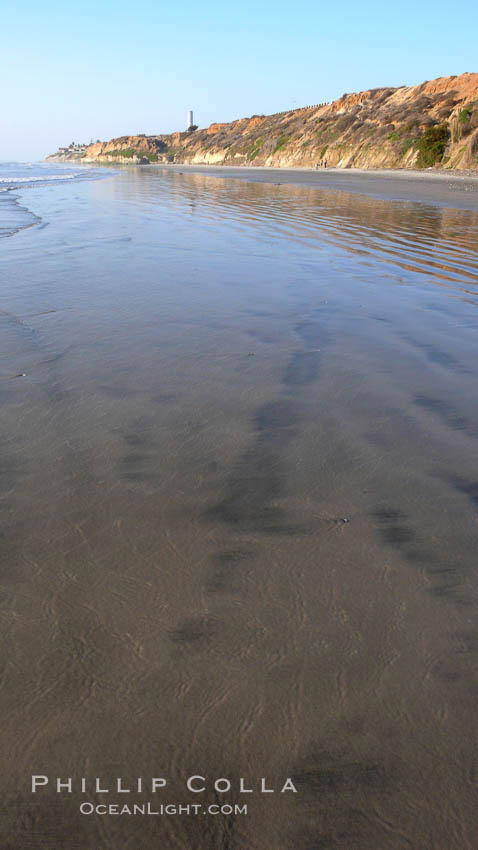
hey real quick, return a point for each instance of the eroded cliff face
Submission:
(432, 124)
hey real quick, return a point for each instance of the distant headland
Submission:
(434, 124)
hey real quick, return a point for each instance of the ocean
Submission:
(239, 494)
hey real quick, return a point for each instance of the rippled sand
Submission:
(239, 511)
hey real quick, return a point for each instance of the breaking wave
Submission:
(24, 175)
(38, 179)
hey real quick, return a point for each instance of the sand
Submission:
(452, 189)
(239, 512)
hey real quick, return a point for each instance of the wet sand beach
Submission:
(239, 500)
(458, 189)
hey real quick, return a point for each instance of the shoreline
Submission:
(453, 188)
(432, 187)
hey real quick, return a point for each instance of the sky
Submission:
(76, 71)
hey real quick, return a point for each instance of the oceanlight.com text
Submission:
(88, 808)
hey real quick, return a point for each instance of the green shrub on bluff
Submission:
(281, 143)
(256, 148)
(431, 146)
(465, 114)
(128, 153)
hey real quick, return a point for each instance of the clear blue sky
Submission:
(75, 70)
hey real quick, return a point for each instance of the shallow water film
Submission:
(239, 495)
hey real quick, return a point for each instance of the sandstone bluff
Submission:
(434, 124)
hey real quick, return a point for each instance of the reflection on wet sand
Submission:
(239, 514)
(411, 236)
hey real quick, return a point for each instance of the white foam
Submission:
(51, 178)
